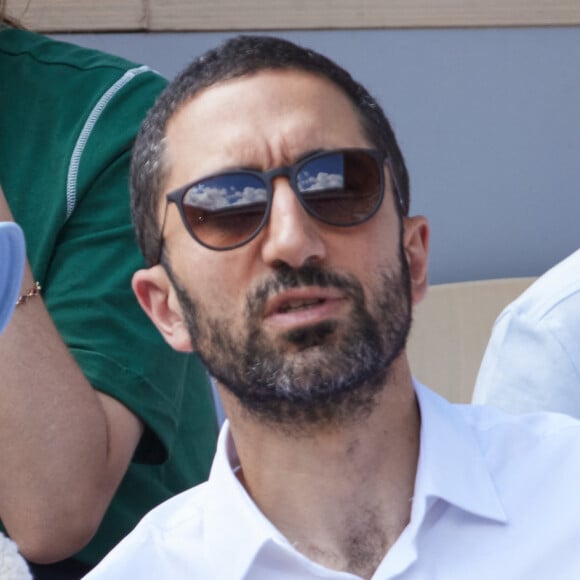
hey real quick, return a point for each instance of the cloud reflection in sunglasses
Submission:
(216, 193)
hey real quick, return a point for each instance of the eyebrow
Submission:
(261, 170)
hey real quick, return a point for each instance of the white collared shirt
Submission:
(532, 360)
(496, 497)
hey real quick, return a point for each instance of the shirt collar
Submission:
(233, 519)
(451, 468)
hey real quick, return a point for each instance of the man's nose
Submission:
(291, 235)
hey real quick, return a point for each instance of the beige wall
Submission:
(189, 15)
(451, 329)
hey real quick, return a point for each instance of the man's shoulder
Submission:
(500, 435)
(533, 439)
(543, 424)
(166, 543)
(182, 512)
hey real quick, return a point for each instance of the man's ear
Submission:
(416, 246)
(156, 295)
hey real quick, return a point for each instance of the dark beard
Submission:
(328, 375)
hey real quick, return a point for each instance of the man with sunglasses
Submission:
(271, 202)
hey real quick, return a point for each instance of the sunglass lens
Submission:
(225, 210)
(342, 187)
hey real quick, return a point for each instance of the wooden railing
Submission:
(205, 15)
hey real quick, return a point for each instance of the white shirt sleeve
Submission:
(532, 363)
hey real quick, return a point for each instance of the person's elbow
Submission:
(43, 540)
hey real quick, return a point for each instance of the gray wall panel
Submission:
(488, 120)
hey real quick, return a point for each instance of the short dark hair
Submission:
(237, 57)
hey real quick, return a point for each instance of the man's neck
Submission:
(341, 496)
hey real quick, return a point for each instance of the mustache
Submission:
(286, 278)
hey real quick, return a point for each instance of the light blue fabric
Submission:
(532, 361)
(12, 255)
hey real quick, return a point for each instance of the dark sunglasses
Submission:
(341, 188)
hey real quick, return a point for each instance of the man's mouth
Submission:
(299, 304)
(298, 307)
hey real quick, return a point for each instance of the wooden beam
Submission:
(204, 15)
(331, 14)
(79, 15)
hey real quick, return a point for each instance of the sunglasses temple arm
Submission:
(161, 239)
(395, 185)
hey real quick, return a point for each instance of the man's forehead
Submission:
(264, 85)
(273, 116)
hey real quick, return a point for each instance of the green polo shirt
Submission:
(68, 117)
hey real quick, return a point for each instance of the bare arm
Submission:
(64, 447)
